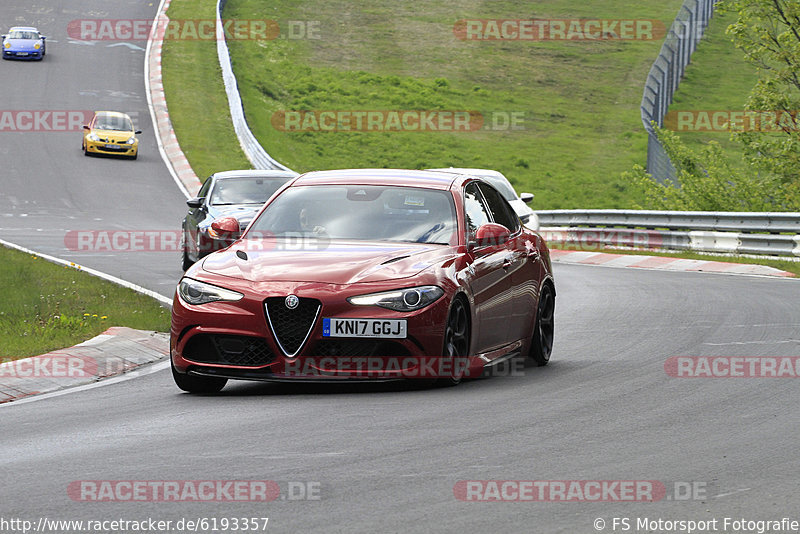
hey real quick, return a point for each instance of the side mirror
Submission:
(526, 197)
(195, 202)
(137, 132)
(491, 234)
(226, 227)
(85, 127)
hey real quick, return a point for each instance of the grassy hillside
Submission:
(718, 79)
(580, 99)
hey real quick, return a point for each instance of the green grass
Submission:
(717, 79)
(49, 307)
(198, 106)
(580, 100)
(783, 265)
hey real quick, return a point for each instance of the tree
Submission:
(768, 32)
(708, 182)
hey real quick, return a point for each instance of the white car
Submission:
(501, 183)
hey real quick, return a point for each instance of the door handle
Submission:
(507, 263)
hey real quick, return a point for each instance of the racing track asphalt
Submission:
(48, 186)
(387, 456)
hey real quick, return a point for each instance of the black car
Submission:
(238, 194)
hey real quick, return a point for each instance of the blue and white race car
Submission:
(23, 42)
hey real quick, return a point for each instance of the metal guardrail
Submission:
(252, 149)
(768, 233)
(665, 75)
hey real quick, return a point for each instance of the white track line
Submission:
(94, 272)
(144, 370)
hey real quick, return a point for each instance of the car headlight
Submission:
(37, 46)
(93, 137)
(409, 299)
(196, 292)
(131, 140)
(7, 45)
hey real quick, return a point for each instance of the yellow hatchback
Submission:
(110, 132)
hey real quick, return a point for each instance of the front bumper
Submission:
(120, 149)
(236, 340)
(22, 54)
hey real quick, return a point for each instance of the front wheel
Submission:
(198, 384)
(456, 344)
(542, 343)
(185, 261)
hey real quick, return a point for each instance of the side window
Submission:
(206, 186)
(502, 213)
(474, 209)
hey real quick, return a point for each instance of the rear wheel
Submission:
(456, 344)
(197, 384)
(542, 343)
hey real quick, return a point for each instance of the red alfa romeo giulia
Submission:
(366, 275)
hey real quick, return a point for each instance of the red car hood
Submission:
(336, 263)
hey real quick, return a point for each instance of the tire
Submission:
(197, 384)
(456, 342)
(85, 150)
(543, 329)
(186, 262)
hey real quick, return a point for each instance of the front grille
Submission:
(228, 350)
(291, 327)
(121, 148)
(358, 348)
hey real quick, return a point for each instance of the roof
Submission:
(254, 173)
(472, 172)
(23, 29)
(404, 177)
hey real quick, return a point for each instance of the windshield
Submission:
(111, 122)
(23, 35)
(374, 213)
(244, 190)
